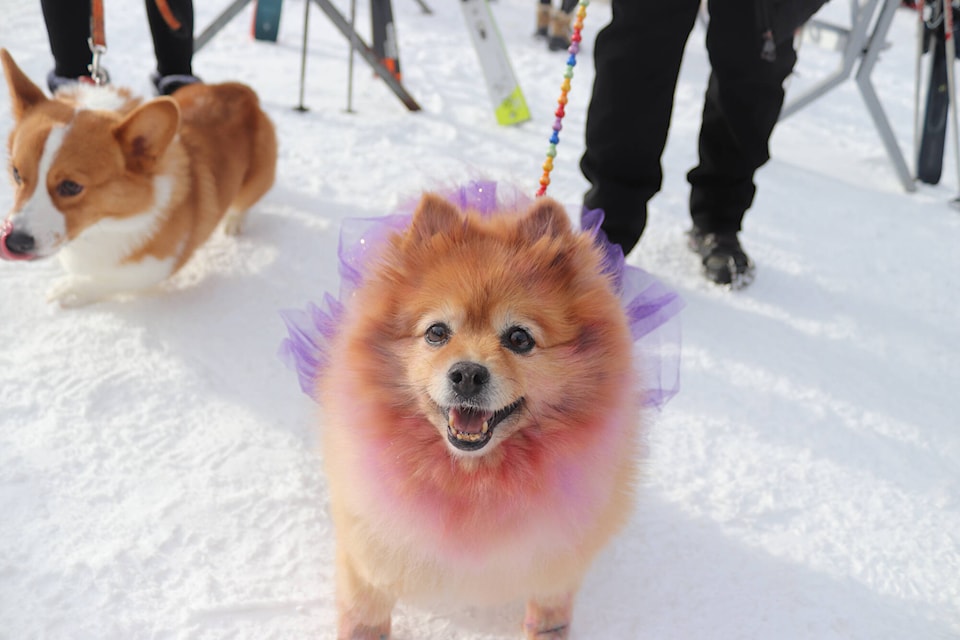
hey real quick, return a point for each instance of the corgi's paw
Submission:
(548, 621)
(70, 293)
(233, 222)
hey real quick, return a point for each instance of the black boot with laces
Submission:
(724, 261)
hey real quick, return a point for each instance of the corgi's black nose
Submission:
(468, 379)
(19, 243)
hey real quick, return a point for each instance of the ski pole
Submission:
(917, 118)
(424, 7)
(951, 81)
(303, 53)
(353, 48)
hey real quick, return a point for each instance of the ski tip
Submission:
(513, 110)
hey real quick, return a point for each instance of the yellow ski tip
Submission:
(513, 110)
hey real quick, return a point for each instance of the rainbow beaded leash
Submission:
(574, 49)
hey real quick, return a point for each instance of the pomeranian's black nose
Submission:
(468, 378)
(20, 243)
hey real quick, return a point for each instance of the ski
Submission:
(509, 105)
(934, 126)
(385, 35)
(266, 19)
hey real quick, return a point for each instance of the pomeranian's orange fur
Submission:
(522, 517)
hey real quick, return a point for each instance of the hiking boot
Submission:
(55, 82)
(559, 31)
(166, 85)
(543, 20)
(724, 261)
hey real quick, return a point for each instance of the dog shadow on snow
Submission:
(672, 575)
(221, 313)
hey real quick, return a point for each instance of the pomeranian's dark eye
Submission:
(518, 340)
(68, 188)
(16, 175)
(437, 334)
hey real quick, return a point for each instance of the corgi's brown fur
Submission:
(123, 190)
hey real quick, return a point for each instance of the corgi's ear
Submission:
(23, 93)
(546, 217)
(434, 215)
(147, 131)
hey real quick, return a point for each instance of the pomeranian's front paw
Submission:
(233, 222)
(365, 632)
(71, 293)
(548, 622)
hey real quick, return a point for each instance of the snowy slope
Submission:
(159, 474)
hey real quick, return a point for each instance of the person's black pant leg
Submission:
(68, 28)
(173, 48)
(743, 101)
(637, 58)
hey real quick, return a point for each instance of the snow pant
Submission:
(68, 28)
(567, 6)
(637, 58)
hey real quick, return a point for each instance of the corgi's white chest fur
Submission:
(104, 245)
(96, 259)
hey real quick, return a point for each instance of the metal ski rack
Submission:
(863, 42)
(341, 24)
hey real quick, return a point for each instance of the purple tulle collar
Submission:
(651, 307)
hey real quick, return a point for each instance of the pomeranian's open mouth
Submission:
(470, 428)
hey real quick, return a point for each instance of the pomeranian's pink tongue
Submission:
(468, 420)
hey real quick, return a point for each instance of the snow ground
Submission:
(159, 472)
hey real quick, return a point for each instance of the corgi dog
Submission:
(124, 191)
(481, 419)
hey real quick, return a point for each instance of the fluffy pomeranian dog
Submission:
(481, 418)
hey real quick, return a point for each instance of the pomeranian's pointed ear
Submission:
(23, 93)
(546, 217)
(147, 131)
(434, 215)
